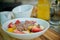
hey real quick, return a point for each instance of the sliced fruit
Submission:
(21, 33)
(35, 29)
(14, 27)
(42, 27)
(10, 30)
(18, 32)
(36, 24)
(10, 25)
(30, 27)
(17, 22)
(26, 32)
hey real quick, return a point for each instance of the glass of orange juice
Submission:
(43, 9)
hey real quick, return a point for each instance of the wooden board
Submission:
(48, 35)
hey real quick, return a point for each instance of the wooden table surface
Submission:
(48, 35)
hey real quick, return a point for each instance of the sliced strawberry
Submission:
(10, 25)
(21, 33)
(35, 29)
(18, 32)
(17, 22)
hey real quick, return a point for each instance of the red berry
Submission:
(35, 29)
(10, 25)
(17, 22)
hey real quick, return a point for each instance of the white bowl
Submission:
(5, 16)
(22, 11)
(27, 36)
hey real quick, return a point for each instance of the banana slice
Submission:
(42, 27)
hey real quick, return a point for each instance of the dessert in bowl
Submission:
(25, 28)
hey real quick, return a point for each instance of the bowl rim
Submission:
(29, 33)
(13, 10)
(5, 12)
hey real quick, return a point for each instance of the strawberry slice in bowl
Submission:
(35, 29)
(17, 22)
(10, 25)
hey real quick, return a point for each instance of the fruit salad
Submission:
(24, 27)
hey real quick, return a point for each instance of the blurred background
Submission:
(7, 5)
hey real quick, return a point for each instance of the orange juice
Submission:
(43, 9)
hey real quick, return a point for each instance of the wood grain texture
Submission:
(48, 35)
